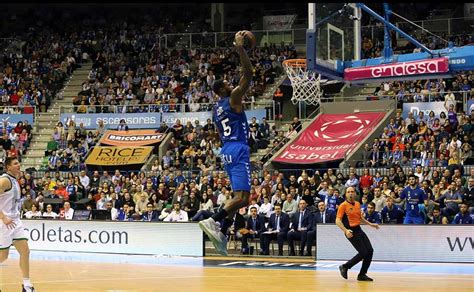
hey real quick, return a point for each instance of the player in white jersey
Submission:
(11, 229)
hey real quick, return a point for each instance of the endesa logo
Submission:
(429, 66)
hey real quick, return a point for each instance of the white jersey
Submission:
(10, 202)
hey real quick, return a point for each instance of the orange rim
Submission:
(295, 63)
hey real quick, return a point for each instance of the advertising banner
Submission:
(12, 120)
(397, 243)
(111, 156)
(173, 239)
(415, 107)
(131, 138)
(111, 121)
(170, 118)
(425, 67)
(468, 10)
(329, 138)
(278, 22)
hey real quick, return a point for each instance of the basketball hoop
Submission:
(306, 84)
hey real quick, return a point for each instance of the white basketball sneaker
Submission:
(213, 231)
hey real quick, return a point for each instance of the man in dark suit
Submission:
(256, 226)
(278, 224)
(375, 157)
(302, 222)
(150, 214)
(323, 216)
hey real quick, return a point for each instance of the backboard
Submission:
(335, 35)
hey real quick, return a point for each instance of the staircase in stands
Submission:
(46, 121)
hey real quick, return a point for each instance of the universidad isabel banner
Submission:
(329, 138)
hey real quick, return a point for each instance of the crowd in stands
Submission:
(426, 139)
(30, 77)
(125, 77)
(69, 146)
(373, 48)
(14, 141)
(451, 91)
(280, 138)
(34, 73)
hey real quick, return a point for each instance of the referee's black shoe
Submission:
(343, 271)
(364, 277)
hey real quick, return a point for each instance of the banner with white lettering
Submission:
(468, 10)
(330, 137)
(170, 118)
(398, 243)
(131, 138)
(400, 69)
(12, 120)
(173, 239)
(111, 121)
(416, 107)
(278, 22)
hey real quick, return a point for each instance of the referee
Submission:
(348, 219)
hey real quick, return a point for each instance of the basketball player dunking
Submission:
(231, 122)
(11, 229)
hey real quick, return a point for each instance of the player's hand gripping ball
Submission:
(245, 39)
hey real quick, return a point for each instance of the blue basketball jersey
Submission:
(233, 127)
(413, 198)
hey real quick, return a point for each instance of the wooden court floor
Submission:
(49, 275)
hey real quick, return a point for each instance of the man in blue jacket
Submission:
(371, 215)
(392, 214)
(255, 226)
(463, 217)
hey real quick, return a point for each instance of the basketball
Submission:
(250, 40)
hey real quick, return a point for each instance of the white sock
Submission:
(27, 283)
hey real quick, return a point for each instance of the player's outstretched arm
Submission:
(244, 83)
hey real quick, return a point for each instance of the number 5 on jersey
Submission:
(227, 128)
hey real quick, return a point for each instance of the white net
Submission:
(306, 85)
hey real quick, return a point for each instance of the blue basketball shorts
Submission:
(413, 220)
(236, 159)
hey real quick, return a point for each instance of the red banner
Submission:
(429, 66)
(329, 138)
